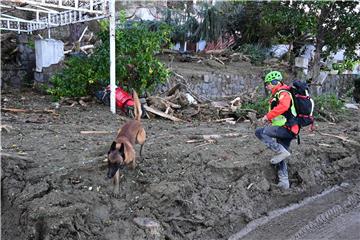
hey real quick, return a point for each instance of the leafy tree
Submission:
(333, 24)
(136, 45)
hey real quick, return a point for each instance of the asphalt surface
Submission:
(333, 214)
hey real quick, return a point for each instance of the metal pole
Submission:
(49, 31)
(112, 56)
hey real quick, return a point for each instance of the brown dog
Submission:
(122, 150)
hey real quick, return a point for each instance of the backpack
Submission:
(304, 104)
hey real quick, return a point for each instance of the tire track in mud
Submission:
(352, 202)
(298, 220)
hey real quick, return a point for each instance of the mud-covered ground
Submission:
(54, 185)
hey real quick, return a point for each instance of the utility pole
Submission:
(112, 56)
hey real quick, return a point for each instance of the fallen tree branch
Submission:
(6, 128)
(217, 59)
(187, 89)
(83, 33)
(343, 138)
(18, 110)
(13, 156)
(197, 111)
(162, 114)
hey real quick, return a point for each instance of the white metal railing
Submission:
(78, 5)
(75, 11)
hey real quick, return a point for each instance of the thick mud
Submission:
(54, 185)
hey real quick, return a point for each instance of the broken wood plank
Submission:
(161, 102)
(14, 110)
(224, 120)
(162, 114)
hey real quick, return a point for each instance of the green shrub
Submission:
(136, 46)
(348, 64)
(328, 106)
(261, 107)
(136, 65)
(76, 79)
(256, 52)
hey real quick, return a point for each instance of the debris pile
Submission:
(181, 104)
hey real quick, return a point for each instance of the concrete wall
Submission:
(215, 86)
(335, 84)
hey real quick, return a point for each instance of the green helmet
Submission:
(273, 75)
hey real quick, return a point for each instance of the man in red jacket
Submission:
(283, 127)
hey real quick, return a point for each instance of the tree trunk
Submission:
(316, 65)
(325, 11)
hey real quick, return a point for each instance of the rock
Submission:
(351, 106)
(307, 176)
(152, 228)
(32, 191)
(347, 162)
(263, 185)
(163, 188)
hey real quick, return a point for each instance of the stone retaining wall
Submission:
(19, 71)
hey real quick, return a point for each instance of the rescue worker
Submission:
(284, 127)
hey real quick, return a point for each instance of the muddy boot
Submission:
(283, 176)
(283, 183)
(282, 155)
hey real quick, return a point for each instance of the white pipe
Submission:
(112, 55)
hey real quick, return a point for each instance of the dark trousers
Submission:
(283, 137)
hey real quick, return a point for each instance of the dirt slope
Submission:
(54, 186)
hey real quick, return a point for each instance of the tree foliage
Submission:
(333, 25)
(136, 64)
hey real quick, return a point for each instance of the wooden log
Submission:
(162, 114)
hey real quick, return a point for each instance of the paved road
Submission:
(334, 214)
(344, 227)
